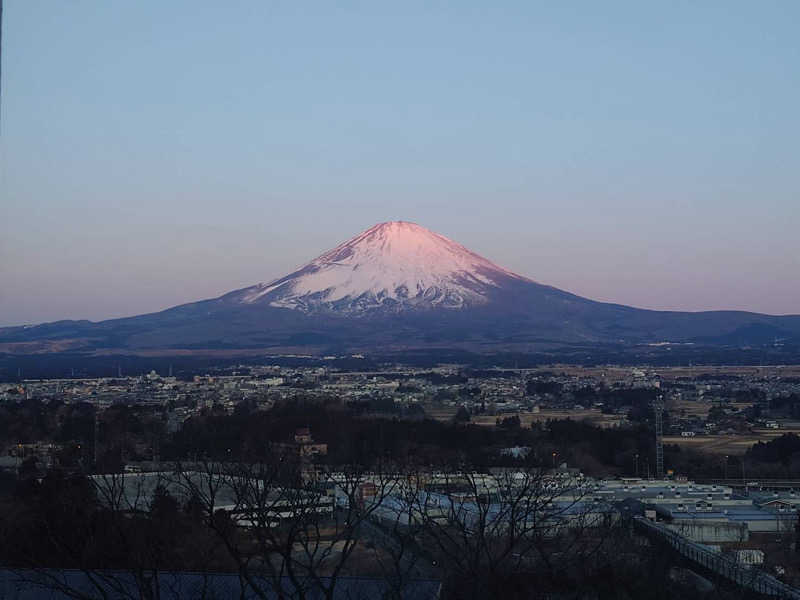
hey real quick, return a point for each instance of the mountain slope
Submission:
(399, 285)
(392, 266)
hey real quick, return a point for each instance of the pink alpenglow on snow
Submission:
(392, 265)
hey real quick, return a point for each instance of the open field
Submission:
(712, 444)
(688, 408)
(728, 444)
(595, 417)
(617, 373)
(691, 408)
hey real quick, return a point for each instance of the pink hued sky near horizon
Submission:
(154, 154)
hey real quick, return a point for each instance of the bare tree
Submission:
(486, 529)
(289, 530)
(114, 540)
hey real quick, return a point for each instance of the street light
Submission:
(554, 459)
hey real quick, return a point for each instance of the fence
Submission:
(748, 577)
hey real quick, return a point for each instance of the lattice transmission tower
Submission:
(658, 411)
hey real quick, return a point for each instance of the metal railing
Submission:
(749, 577)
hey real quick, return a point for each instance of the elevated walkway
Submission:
(748, 577)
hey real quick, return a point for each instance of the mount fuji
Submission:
(391, 267)
(400, 286)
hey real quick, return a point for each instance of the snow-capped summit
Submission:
(424, 292)
(393, 265)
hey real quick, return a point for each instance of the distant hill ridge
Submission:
(399, 285)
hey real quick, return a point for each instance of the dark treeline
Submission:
(412, 439)
(777, 458)
(352, 432)
(361, 431)
(58, 521)
(787, 406)
(626, 451)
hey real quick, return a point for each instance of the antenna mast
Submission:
(658, 411)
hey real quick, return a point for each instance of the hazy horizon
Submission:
(157, 154)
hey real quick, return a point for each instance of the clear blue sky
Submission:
(155, 153)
